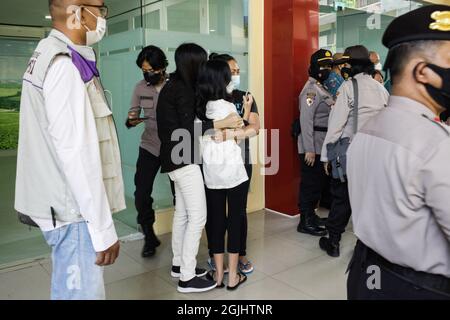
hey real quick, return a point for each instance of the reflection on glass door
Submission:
(17, 242)
(350, 22)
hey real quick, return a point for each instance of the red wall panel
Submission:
(290, 37)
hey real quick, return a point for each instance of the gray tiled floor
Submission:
(288, 265)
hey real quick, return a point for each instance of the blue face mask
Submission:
(333, 83)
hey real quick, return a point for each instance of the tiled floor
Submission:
(288, 265)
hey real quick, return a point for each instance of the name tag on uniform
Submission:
(146, 98)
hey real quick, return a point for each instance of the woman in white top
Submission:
(224, 172)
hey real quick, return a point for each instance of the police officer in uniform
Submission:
(399, 173)
(315, 103)
(369, 97)
(153, 63)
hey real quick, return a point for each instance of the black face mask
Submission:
(324, 75)
(346, 72)
(442, 95)
(152, 78)
(319, 75)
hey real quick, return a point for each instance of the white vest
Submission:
(40, 183)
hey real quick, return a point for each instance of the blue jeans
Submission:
(75, 275)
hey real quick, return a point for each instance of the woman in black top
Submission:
(252, 127)
(178, 130)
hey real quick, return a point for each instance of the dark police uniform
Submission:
(144, 100)
(315, 105)
(401, 204)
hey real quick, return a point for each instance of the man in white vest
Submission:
(69, 178)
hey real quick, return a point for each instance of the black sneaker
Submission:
(196, 285)
(176, 272)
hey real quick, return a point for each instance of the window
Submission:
(350, 22)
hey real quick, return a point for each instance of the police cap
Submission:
(322, 57)
(426, 23)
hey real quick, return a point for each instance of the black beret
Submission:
(322, 57)
(426, 23)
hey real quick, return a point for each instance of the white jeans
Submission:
(189, 218)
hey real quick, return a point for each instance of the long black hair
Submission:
(189, 57)
(213, 79)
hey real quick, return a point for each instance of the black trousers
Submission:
(340, 212)
(147, 168)
(244, 220)
(313, 182)
(219, 222)
(326, 198)
(244, 225)
(392, 286)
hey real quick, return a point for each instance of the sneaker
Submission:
(246, 268)
(212, 265)
(176, 272)
(196, 285)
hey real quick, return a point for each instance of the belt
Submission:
(433, 282)
(319, 129)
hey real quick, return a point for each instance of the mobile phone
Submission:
(138, 119)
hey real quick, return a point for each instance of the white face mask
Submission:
(94, 36)
(236, 81)
(230, 87)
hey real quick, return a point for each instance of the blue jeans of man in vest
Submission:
(75, 275)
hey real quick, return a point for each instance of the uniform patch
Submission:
(310, 97)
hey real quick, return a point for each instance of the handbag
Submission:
(337, 151)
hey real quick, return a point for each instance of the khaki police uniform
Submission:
(314, 104)
(399, 186)
(145, 100)
(372, 98)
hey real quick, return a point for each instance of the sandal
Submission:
(246, 268)
(210, 276)
(212, 265)
(242, 279)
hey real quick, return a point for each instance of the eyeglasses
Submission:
(103, 9)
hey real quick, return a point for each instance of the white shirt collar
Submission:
(411, 106)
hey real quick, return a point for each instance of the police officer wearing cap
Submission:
(348, 115)
(315, 103)
(399, 172)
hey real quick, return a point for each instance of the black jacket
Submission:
(176, 110)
